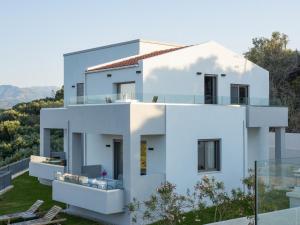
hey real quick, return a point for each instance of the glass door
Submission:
(210, 89)
(118, 159)
(126, 90)
(239, 94)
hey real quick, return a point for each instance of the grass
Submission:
(26, 191)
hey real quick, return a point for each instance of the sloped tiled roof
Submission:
(133, 60)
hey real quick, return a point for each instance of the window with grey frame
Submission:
(239, 94)
(209, 155)
(125, 90)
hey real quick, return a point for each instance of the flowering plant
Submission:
(103, 174)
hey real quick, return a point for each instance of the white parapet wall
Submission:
(281, 217)
(94, 199)
(43, 170)
(258, 116)
(238, 221)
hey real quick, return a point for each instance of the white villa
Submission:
(139, 113)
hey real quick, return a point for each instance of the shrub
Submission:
(165, 204)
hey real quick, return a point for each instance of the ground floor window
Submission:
(209, 155)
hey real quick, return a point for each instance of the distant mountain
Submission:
(11, 95)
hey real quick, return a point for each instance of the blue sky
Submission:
(34, 34)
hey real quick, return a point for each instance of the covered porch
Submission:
(113, 152)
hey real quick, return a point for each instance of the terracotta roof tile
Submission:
(133, 60)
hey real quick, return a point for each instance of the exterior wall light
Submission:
(73, 86)
(199, 73)
(108, 75)
(150, 149)
(138, 71)
(223, 75)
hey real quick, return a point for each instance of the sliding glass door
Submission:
(239, 94)
(126, 90)
(118, 159)
(210, 89)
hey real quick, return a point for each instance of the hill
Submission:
(11, 95)
(19, 128)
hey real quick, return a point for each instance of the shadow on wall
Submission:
(169, 76)
(148, 119)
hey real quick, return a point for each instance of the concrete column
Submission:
(45, 148)
(76, 160)
(263, 145)
(66, 143)
(131, 156)
(279, 143)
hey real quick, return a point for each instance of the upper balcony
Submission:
(261, 112)
(172, 98)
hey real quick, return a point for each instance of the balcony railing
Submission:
(99, 183)
(172, 98)
(100, 195)
(278, 191)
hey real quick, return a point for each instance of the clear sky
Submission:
(35, 33)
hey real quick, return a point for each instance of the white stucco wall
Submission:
(172, 73)
(253, 146)
(204, 122)
(76, 63)
(173, 131)
(175, 72)
(257, 145)
(97, 153)
(156, 158)
(99, 84)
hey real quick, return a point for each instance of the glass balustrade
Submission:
(99, 182)
(278, 192)
(172, 98)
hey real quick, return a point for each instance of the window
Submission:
(208, 155)
(80, 93)
(239, 94)
(143, 158)
(126, 90)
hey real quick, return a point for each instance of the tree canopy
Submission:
(273, 55)
(19, 128)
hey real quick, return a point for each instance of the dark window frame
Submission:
(213, 99)
(118, 88)
(80, 93)
(217, 144)
(238, 100)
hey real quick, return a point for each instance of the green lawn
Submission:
(26, 191)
